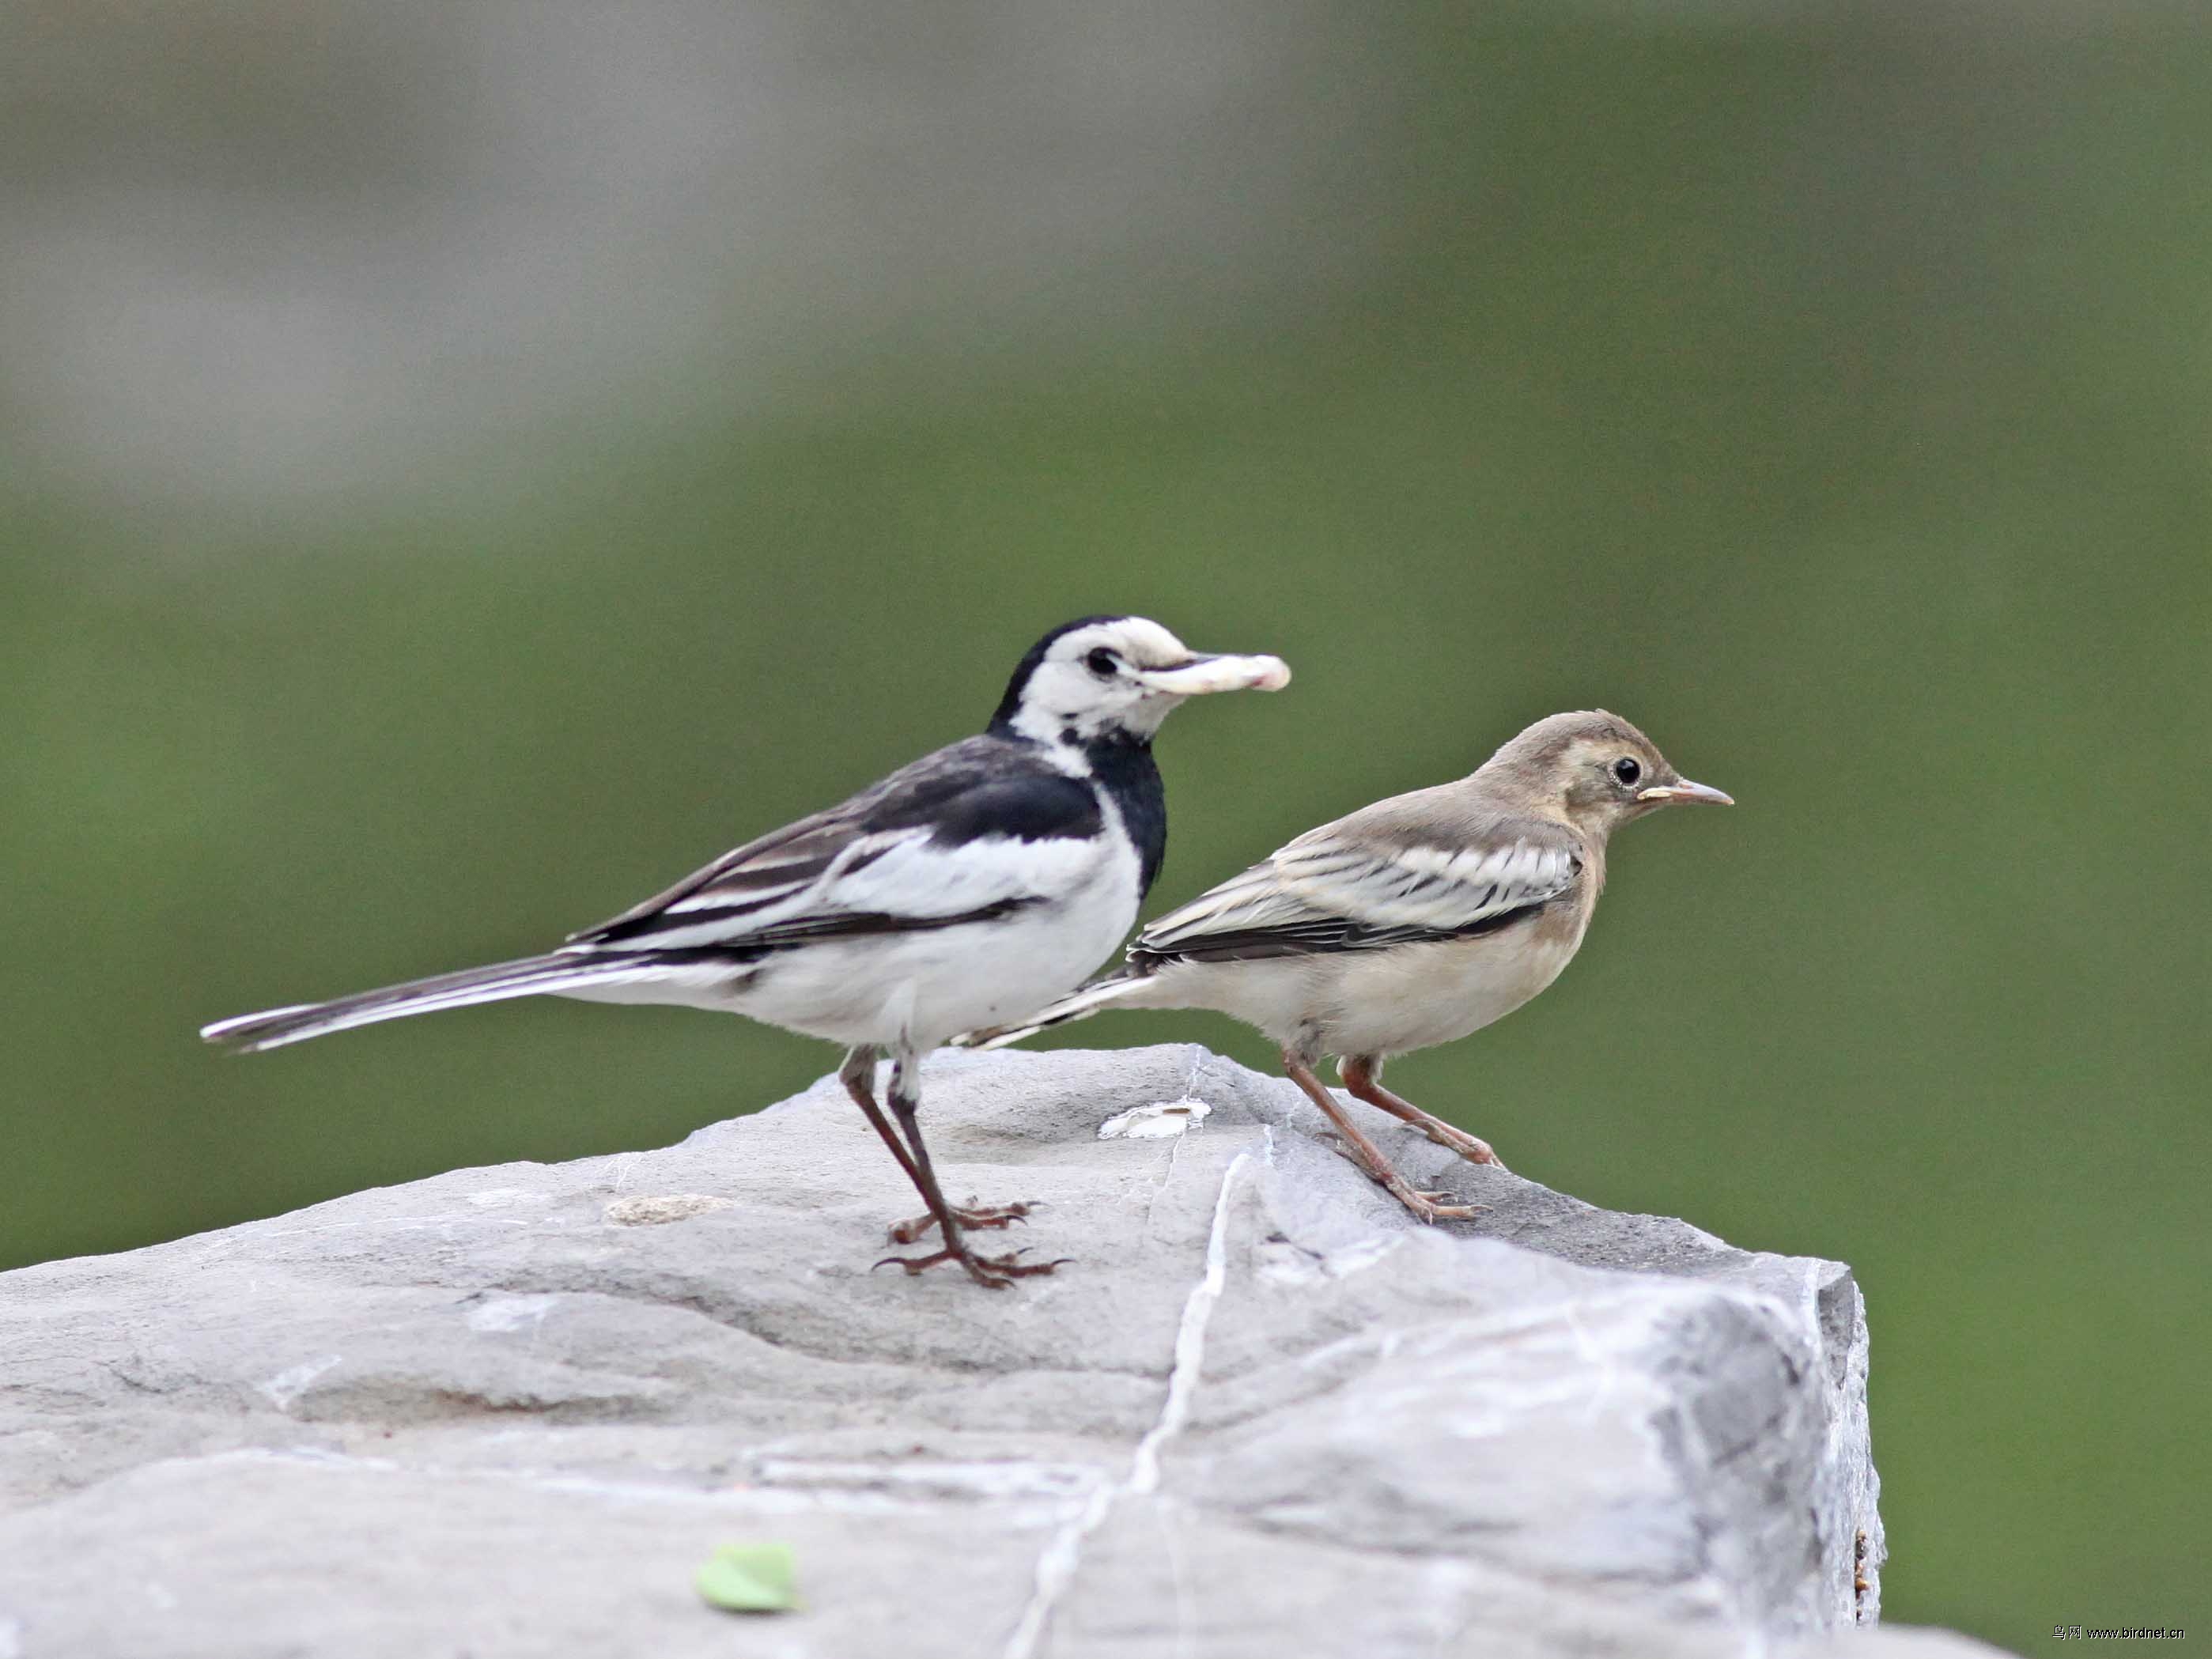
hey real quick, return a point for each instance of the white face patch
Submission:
(1068, 691)
(1121, 677)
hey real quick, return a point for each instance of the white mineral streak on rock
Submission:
(287, 1385)
(1056, 1566)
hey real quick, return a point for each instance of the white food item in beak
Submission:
(1203, 674)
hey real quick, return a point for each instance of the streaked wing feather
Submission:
(971, 831)
(745, 881)
(1326, 892)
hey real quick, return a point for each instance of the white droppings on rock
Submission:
(1159, 1121)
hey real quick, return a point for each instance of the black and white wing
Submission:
(971, 832)
(1339, 889)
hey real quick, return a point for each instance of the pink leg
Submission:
(1365, 1153)
(1362, 1079)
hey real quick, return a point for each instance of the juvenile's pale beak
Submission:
(1203, 674)
(1684, 791)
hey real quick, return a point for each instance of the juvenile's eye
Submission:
(1626, 769)
(1103, 662)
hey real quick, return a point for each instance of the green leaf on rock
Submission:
(750, 1578)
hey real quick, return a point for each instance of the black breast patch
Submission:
(1040, 805)
(1131, 778)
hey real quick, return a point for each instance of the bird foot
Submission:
(1427, 1206)
(1431, 1206)
(1470, 1147)
(917, 1228)
(992, 1271)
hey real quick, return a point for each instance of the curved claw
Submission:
(1432, 1208)
(918, 1264)
(1006, 1264)
(1452, 1199)
(994, 1272)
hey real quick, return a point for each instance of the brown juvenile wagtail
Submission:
(1411, 922)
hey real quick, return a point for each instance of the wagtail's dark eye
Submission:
(1103, 663)
(1626, 769)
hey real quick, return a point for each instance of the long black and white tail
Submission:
(1079, 1004)
(529, 977)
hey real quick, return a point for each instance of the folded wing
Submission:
(1336, 890)
(971, 832)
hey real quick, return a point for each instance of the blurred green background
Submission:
(465, 466)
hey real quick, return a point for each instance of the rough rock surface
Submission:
(510, 1411)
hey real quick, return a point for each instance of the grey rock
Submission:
(510, 1411)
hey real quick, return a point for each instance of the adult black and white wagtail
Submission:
(967, 889)
(1414, 921)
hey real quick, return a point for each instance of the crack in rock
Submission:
(1056, 1566)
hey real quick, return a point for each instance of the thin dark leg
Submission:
(996, 1272)
(858, 1074)
(1364, 1152)
(1363, 1077)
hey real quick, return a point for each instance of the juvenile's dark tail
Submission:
(530, 976)
(1080, 1004)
